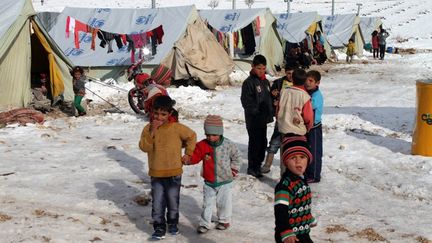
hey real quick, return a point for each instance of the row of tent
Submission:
(32, 43)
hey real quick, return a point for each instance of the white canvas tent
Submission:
(295, 27)
(26, 48)
(340, 28)
(233, 20)
(174, 21)
(369, 25)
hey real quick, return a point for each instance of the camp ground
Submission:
(367, 26)
(340, 28)
(26, 51)
(170, 24)
(246, 32)
(295, 27)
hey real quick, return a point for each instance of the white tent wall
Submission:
(340, 28)
(368, 25)
(174, 21)
(294, 27)
(232, 20)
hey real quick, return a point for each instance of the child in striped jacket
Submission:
(293, 198)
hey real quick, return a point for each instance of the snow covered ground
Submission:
(75, 179)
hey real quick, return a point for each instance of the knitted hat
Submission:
(295, 145)
(161, 75)
(213, 125)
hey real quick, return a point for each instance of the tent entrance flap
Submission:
(55, 78)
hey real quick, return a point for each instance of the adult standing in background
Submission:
(383, 34)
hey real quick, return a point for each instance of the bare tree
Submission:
(213, 4)
(249, 3)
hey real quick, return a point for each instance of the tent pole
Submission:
(153, 4)
(233, 4)
(333, 7)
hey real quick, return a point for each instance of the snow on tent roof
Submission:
(174, 21)
(292, 27)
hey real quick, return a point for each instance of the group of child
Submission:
(297, 104)
(287, 100)
(163, 139)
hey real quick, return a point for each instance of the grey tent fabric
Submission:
(340, 28)
(368, 25)
(48, 19)
(294, 27)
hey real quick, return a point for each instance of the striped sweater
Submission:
(292, 206)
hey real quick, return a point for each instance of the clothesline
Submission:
(137, 40)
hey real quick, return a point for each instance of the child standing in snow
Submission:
(295, 113)
(350, 51)
(258, 109)
(221, 161)
(375, 44)
(162, 140)
(275, 140)
(293, 198)
(314, 136)
(78, 82)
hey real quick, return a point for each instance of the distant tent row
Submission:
(188, 62)
(26, 50)
(188, 47)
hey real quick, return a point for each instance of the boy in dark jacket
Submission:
(258, 109)
(293, 198)
(221, 161)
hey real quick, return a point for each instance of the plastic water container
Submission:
(390, 49)
(422, 134)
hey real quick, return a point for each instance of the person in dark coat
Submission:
(258, 109)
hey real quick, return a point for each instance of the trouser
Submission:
(305, 238)
(314, 137)
(165, 195)
(77, 103)
(222, 196)
(256, 147)
(375, 52)
(275, 141)
(349, 58)
(382, 51)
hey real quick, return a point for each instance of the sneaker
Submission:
(173, 229)
(158, 234)
(222, 226)
(202, 230)
(82, 113)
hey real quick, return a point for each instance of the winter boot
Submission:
(268, 162)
